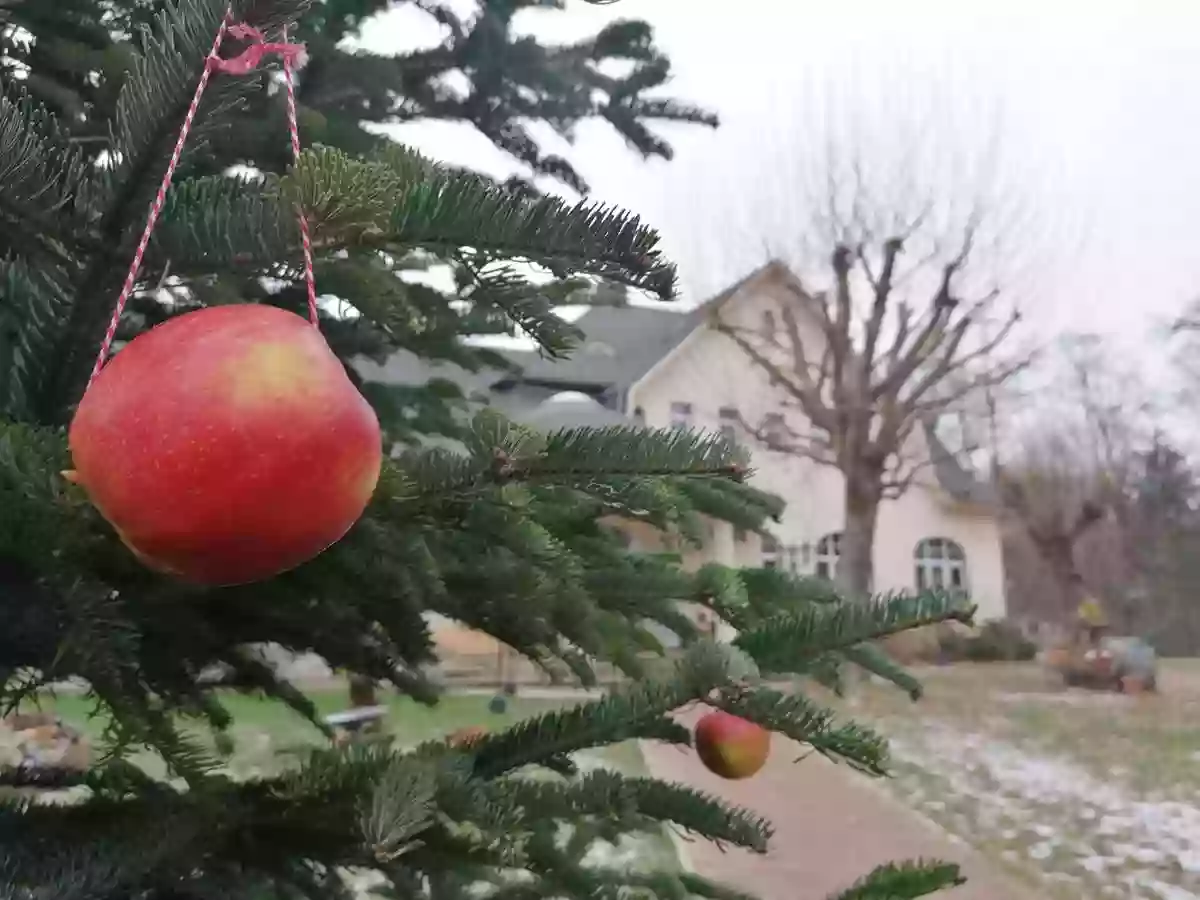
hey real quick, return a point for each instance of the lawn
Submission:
(254, 716)
(264, 734)
(1083, 794)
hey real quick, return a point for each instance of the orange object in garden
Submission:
(466, 737)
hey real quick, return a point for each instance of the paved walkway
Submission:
(832, 826)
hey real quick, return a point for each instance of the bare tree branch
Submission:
(951, 361)
(793, 443)
(839, 336)
(883, 293)
(928, 339)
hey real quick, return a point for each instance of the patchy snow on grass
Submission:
(643, 852)
(1047, 813)
(1076, 698)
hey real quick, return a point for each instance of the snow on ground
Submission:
(1087, 836)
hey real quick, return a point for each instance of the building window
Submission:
(829, 548)
(941, 565)
(768, 325)
(728, 418)
(770, 552)
(681, 415)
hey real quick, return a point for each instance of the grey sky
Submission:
(1097, 109)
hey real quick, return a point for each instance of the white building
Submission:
(668, 368)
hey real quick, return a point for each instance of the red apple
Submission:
(227, 445)
(730, 746)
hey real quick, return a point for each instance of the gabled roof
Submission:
(952, 476)
(622, 343)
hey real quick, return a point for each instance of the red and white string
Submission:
(159, 200)
(241, 65)
(310, 277)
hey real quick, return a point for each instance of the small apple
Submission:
(730, 746)
(467, 737)
(227, 445)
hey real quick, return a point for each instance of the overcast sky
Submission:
(1096, 110)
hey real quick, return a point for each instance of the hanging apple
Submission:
(730, 746)
(227, 445)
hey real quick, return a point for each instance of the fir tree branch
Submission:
(32, 304)
(904, 881)
(401, 807)
(598, 452)
(156, 91)
(530, 307)
(723, 591)
(774, 590)
(640, 801)
(500, 452)
(733, 501)
(222, 223)
(821, 628)
(635, 711)
(153, 100)
(252, 674)
(41, 173)
(390, 204)
(877, 662)
(797, 717)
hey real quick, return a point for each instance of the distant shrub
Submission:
(919, 645)
(995, 641)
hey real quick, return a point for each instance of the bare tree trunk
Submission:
(856, 565)
(1067, 586)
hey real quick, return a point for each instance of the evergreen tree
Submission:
(507, 537)
(72, 57)
(1162, 534)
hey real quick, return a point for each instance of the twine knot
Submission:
(251, 58)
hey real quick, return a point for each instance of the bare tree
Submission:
(909, 235)
(1069, 481)
(883, 361)
(1184, 337)
(1054, 498)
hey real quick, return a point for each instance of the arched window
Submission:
(941, 565)
(829, 548)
